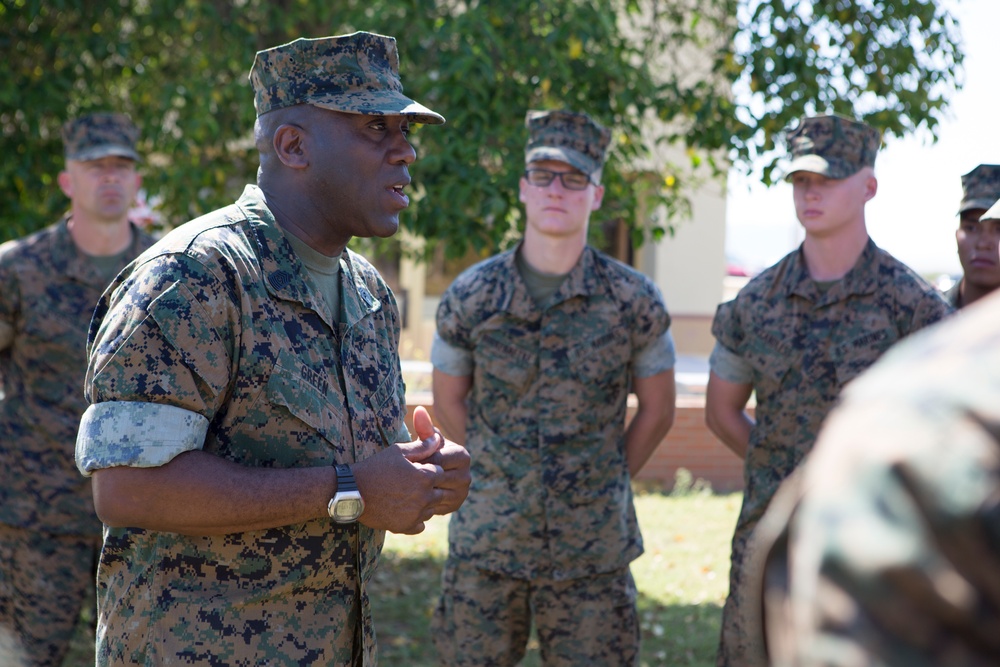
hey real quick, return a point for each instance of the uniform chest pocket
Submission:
(854, 356)
(771, 357)
(602, 357)
(292, 385)
(512, 368)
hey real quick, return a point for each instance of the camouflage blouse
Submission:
(805, 344)
(882, 549)
(551, 494)
(48, 291)
(218, 340)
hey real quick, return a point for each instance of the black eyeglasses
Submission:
(571, 180)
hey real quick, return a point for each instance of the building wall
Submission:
(689, 265)
(690, 445)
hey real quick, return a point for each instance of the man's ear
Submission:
(598, 197)
(290, 146)
(65, 184)
(871, 188)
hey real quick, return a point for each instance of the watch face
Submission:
(347, 509)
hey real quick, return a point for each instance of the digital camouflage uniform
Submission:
(803, 345)
(218, 340)
(49, 533)
(548, 529)
(551, 496)
(980, 189)
(547, 416)
(882, 550)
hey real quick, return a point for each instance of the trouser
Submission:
(739, 644)
(484, 619)
(45, 580)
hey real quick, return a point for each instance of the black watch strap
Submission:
(345, 478)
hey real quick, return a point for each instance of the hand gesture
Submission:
(408, 483)
(452, 458)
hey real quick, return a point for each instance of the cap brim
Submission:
(993, 213)
(835, 169)
(108, 150)
(380, 104)
(567, 155)
(970, 204)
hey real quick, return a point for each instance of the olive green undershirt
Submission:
(824, 285)
(323, 269)
(541, 286)
(325, 272)
(108, 266)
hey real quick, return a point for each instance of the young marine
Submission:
(536, 353)
(882, 549)
(801, 330)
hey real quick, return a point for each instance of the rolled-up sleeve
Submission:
(142, 435)
(730, 366)
(451, 359)
(657, 357)
(159, 365)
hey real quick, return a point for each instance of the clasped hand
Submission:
(406, 484)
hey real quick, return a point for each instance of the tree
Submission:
(180, 70)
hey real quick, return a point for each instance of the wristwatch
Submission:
(346, 505)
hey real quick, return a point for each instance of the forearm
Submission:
(725, 412)
(201, 494)
(452, 420)
(645, 433)
(450, 410)
(655, 396)
(733, 429)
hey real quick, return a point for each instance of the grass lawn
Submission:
(682, 580)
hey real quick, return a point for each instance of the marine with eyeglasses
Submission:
(536, 351)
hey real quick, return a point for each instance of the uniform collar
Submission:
(287, 278)
(861, 279)
(581, 281)
(74, 263)
(64, 252)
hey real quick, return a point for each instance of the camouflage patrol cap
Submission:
(980, 187)
(833, 146)
(992, 214)
(100, 135)
(356, 73)
(567, 136)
